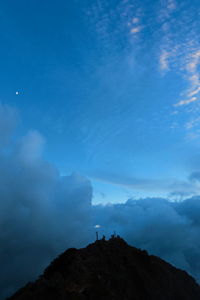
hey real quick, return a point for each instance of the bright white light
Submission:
(97, 226)
(17, 93)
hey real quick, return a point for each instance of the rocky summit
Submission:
(110, 270)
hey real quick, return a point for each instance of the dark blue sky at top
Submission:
(100, 81)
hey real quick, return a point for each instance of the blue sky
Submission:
(113, 87)
(106, 93)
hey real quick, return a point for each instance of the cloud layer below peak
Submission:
(42, 213)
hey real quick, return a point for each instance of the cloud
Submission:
(167, 8)
(180, 49)
(195, 176)
(164, 60)
(187, 101)
(148, 186)
(192, 123)
(168, 54)
(136, 29)
(171, 5)
(168, 229)
(135, 20)
(31, 147)
(131, 182)
(193, 61)
(168, 47)
(193, 77)
(42, 213)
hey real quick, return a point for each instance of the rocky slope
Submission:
(110, 270)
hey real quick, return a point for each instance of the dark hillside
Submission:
(110, 270)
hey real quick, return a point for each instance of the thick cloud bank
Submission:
(167, 229)
(42, 213)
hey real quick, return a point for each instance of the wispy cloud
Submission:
(167, 8)
(126, 17)
(165, 186)
(168, 49)
(135, 25)
(192, 65)
(171, 5)
(164, 60)
(191, 124)
(136, 29)
(193, 76)
(179, 49)
(168, 54)
(135, 20)
(186, 101)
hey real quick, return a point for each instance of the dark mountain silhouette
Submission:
(110, 270)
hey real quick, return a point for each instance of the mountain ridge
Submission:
(110, 269)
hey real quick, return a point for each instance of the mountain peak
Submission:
(110, 269)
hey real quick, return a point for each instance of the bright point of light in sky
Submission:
(114, 88)
(97, 226)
